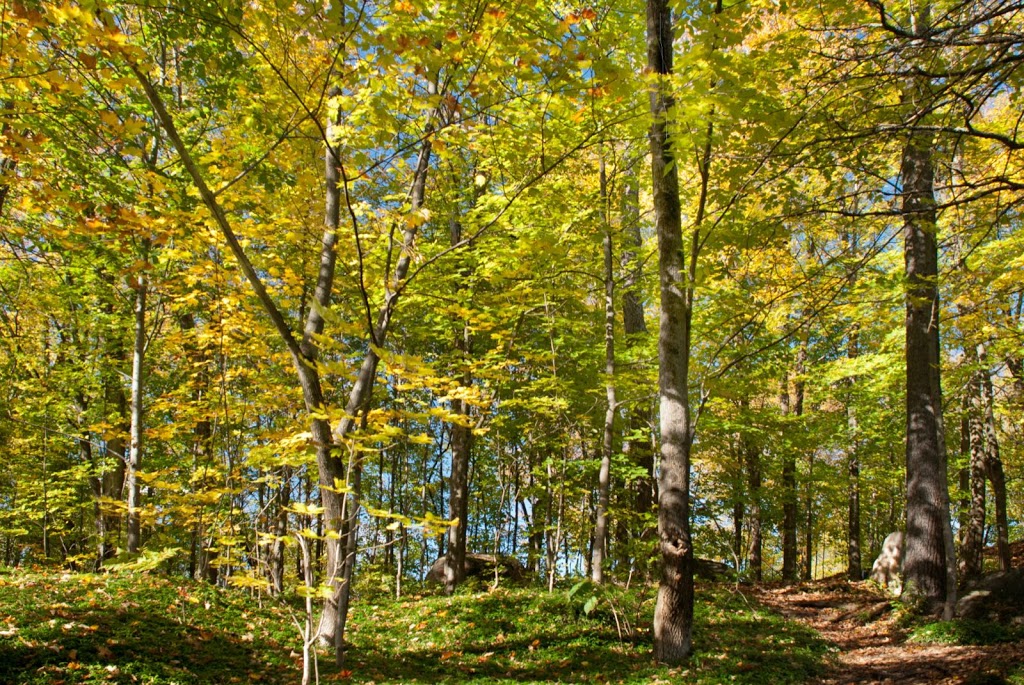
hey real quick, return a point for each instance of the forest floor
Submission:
(147, 629)
(877, 644)
(63, 629)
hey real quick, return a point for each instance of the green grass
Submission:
(965, 632)
(148, 629)
(80, 628)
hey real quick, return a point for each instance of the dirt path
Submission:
(873, 648)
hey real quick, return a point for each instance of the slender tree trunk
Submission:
(331, 470)
(638, 445)
(604, 476)
(351, 539)
(738, 515)
(550, 538)
(202, 437)
(132, 484)
(974, 531)
(462, 446)
(993, 462)
(276, 550)
(854, 565)
(752, 459)
(673, 614)
(789, 514)
(964, 476)
(111, 464)
(798, 411)
(750, 467)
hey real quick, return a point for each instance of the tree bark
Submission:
(132, 484)
(993, 462)
(974, 531)
(333, 620)
(673, 614)
(638, 446)
(462, 446)
(752, 461)
(109, 464)
(798, 411)
(607, 446)
(789, 558)
(854, 564)
(925, 560)
(303, 354)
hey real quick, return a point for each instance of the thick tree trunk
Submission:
(673, 614)
(600, 542)
(925, 560)
(331, 470)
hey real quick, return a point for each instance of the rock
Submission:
(705, 569)
(889, 565)
(482, 566)
(997, 596)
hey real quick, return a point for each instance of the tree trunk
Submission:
(462, 446)
(638, 446)
(974, 531)
(111, 463)
(798, 411)
(750, 466)
(752, 459)
(925, 560)
(993, 462)
(789, 560)
(604, 476)
(133, 528)
(854, 565)
(673, 614)
(331, 469)
(276, 550)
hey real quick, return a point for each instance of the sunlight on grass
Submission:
(147, 629)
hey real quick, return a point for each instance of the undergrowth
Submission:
(61, 629)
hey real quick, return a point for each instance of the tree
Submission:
(673, 615)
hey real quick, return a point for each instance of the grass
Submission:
(81, 628)
(962, 631)
(61, 629)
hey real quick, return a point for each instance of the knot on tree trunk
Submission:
(677, 546)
